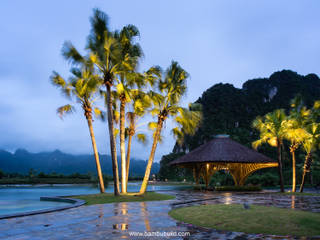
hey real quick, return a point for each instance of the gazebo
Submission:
(222, 153)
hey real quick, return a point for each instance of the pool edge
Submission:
(75, 203)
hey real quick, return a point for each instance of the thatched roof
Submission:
(224, 150)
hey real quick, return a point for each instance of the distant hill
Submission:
(231, 110)
(48, 162)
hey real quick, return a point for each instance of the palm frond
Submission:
(66, 109)
(99, 114)
(152, 125)
(70, 53)
(142, 138)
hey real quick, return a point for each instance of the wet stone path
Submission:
(144, 220)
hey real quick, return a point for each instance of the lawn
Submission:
(256, 219)
(110, 198)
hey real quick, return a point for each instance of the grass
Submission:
(110, 198)
(256, 219)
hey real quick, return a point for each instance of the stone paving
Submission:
(131, 220)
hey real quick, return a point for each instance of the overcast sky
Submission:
(215, 41)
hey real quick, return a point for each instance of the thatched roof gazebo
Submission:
(222, 153)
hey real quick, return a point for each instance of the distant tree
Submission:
(32, 173)
(41, 175)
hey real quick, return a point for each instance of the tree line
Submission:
(109, 71)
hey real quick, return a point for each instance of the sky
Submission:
(228, 41)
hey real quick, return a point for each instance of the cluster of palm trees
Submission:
(301, 128)
(109, 71)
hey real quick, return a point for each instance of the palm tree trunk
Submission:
(96, 155)
(293, 170)
(280, 167)
(306, 169)
(128, 158)
(151, 157)
(112, 142)
(123, 148)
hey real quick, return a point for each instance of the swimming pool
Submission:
(24, 198)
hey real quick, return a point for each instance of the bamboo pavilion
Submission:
(222, 153)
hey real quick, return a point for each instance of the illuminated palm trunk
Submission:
(123, 148)
(306, 169)
(293, 170)
(112, 142)
(96, 155)
(128, 158)
(280, 166)
(151, 157)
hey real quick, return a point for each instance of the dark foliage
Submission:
(170, 172)
(229, 110)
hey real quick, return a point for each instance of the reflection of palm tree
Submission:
(144, 212)
(101, 215)
(293, 202)
(82, 85)
(272, 131)
(124, 208)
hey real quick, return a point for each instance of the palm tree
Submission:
(140, 104)
(272, 131)
(83, 86)
(127, 79)
(296, 135)
(310, 144)
(166, 103)
(294, 130)
(106, 55)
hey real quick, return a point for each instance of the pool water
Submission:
(24, 198)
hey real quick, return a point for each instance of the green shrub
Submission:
(265, 179)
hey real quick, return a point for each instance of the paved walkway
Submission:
(128, 220)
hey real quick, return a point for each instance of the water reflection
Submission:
(124, 208)
(145, 215)
(293, 202)
(100, 217)
(228, 198)
(120, 226)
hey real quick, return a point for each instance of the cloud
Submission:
(215, 41)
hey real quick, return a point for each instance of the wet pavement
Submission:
(144, 220)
